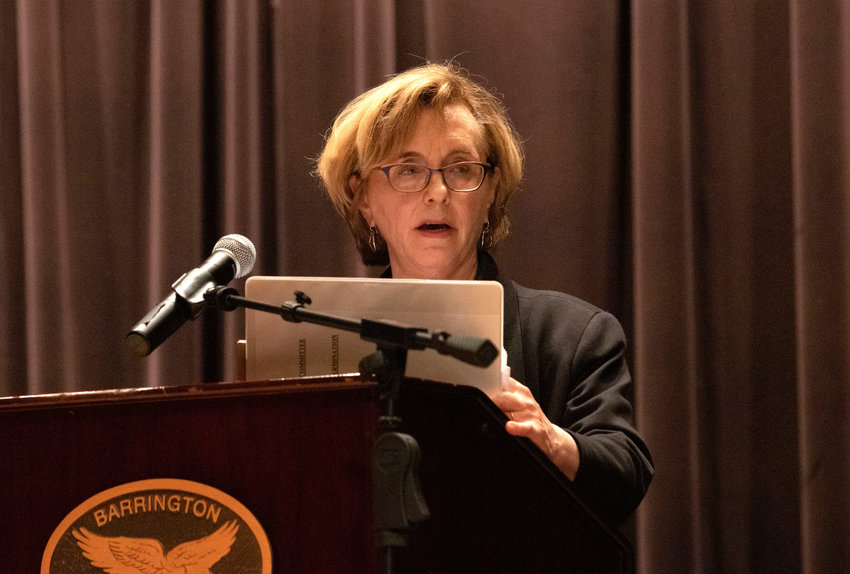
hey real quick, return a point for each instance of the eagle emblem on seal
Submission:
(123, 555)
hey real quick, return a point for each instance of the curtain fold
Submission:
(173, 233)
(688, 168)
(672, 532)
(821, 116)
(13, 363)
(239, 151)
(44, 182)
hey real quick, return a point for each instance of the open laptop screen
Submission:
(276, 348)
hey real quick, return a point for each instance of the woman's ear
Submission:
(361, 197)
(354, 182)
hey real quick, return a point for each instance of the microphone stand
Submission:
(398, 500)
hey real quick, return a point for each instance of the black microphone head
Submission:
(241, 250)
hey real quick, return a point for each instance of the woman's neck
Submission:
(465, 272)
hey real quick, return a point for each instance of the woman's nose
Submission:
(436, 189)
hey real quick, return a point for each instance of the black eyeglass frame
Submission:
(487, 168)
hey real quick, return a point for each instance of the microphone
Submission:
(232, 257)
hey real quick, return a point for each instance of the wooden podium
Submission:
(298, 455)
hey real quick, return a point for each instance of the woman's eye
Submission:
(409, 170)
(459, 168)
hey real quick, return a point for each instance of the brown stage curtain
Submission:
(688, 169)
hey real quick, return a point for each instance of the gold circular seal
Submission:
(159, 525)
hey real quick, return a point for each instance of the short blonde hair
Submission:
(380, 121)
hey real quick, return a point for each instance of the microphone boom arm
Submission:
(473, 350)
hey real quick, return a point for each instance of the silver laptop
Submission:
(276, 348)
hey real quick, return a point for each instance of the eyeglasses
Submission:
(463, 176)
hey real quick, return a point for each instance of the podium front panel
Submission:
(298, 456)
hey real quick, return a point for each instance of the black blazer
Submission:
(572, 357)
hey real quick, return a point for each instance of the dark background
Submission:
(687, 169)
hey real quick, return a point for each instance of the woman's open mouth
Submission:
(434, 227)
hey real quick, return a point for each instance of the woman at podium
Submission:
(421, 169)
